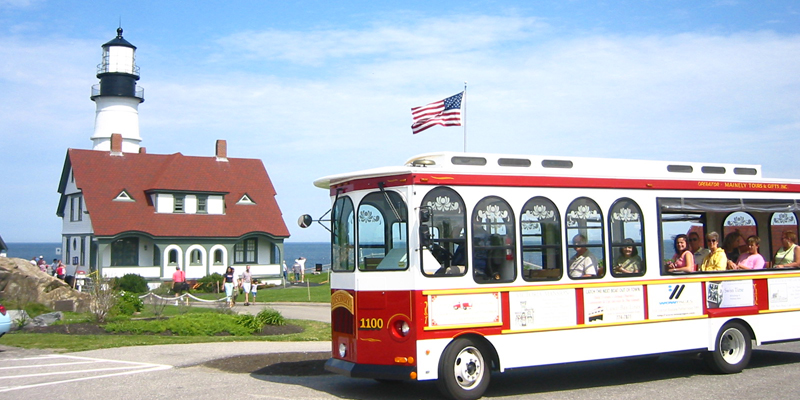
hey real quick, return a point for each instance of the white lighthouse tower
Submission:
(117, 96)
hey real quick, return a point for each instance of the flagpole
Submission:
(465, 116)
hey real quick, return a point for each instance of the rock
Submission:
(46, 319)
(17, 318)
(23, 282)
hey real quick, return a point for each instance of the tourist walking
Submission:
(246, 282)
(298, 268)
(179, 284)
(228, 279)
(254, 290)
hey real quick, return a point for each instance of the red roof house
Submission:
(152, 213)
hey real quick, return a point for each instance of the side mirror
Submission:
(425, 236)
(305, 221)
(424, 214)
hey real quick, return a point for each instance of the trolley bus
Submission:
(457, 265)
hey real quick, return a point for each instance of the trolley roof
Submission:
(587, 167)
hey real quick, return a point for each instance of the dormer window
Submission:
(245, 200)
(202, 204)
(124, 196)
(178, 205)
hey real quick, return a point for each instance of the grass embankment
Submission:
(319, 293)
(313, 330)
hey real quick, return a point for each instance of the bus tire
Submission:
(732, 350)
(464, 371)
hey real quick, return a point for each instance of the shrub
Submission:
(205, 324)
(128, 303)
(269, 316)
(132, 283)
(249, 321)
(209, 283)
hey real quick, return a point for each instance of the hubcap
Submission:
(732, 346)
(468, 367)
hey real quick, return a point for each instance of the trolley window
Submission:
(540, 231)
(343, 236)
(626, 237)
(493, 241)
(382, 232)
(447, 233)
(585, 237)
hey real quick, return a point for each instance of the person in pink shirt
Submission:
(752, 259)
(178, 283)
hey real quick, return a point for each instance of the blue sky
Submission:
(317, 87)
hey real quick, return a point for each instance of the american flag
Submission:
(445, 112)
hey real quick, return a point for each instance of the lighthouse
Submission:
(117, 97)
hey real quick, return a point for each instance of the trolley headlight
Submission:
(342, 350)
(402, 327)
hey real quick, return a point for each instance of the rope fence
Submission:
(181, 297)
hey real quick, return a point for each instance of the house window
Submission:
(195, 257)
(178, 205)
(156, 256)
(245, 251)
(125, 252)
(201, 204)
(218, 257)
(75, 209)
(173, 257)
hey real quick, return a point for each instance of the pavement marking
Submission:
(128, 369)
(47, 365)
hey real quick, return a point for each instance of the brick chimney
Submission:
(116, 144)
(142, 150)
(222, 150)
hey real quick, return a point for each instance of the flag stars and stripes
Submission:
(445, 112)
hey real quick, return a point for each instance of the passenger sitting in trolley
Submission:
(583, 263)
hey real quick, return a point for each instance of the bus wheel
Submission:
(463, 371)
(732, 349)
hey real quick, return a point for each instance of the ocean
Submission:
(315, 253)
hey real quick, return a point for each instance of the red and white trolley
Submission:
(459, 264)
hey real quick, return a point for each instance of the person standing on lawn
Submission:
(178, 283)
(254, 289)
(228, 279)
(247, 280)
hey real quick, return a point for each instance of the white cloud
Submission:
(429, 37)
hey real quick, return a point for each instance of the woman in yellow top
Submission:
(787, 256)
(716, 260)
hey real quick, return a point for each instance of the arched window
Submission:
(218, 256)
(195, 257)
(736, 228)
(585, 248)
(173, 257)
(447, 228)
(493, 241)
(540, 235)
(780, 223)
(343, 235)
(626, 237)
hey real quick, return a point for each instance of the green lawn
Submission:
(290, 293)
(314, 331)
